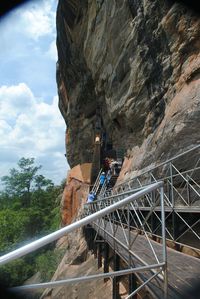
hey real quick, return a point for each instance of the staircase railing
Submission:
(117, 225)
(103, 188)
(162, 170)
(97, 183)
(102, 218)
(181, 196)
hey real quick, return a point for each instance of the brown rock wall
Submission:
(139, 62)
(78, 262)
(75, 192)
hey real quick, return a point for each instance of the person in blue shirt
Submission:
(102, 178)
(91, 197)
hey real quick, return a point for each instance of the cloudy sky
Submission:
(30, 122)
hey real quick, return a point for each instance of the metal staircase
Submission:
(181, 197)
(99, 190)
(156, 268)
(132, 217)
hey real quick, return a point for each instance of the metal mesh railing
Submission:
(115, 228)
(181, 177)
(105, 219)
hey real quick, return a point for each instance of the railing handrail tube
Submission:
(96, 184)
(57, 283)
(118, 194)
(61, 232)
(185, 179)
(159, 165)
(176, 175)
(163, 179)
(103, 187)
(193, 181)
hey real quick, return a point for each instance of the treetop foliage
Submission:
(29, 208)
(25, 178)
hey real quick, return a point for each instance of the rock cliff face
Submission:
(75, 192)
(138, 63)
(77, 262)
(129, 69)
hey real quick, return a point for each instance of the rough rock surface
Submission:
(75, 192)
(139, 62)
(77, 262)
(136, 65)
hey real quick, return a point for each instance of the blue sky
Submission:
(30, 122)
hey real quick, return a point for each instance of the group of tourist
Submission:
(110, 167)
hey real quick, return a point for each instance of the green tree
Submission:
(29, 208)
(41, 182)
(21, 181)
(13, 228)
(16, 272)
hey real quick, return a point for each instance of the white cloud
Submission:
(20, 97)
(28, 52)
(30, 125)
(32, 128)
(52, 51)
(38, 20)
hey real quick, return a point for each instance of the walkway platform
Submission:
(183, 270)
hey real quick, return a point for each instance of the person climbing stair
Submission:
(114, 166)
(102, 178)
(91, 197)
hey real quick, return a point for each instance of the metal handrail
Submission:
(108, 226)
(96, 184)
(133, 183)
(58, 283)
(78, 224)
(186, 180)
(159, 165)
(173, 196)
(120, 194)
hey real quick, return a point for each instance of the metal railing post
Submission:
(99, 253)
(188, 189)
(171, 185)
(164, 247)
(115, 281)
(106, 259)
(131, 278)
(174, 233)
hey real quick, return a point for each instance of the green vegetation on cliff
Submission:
(29, 209)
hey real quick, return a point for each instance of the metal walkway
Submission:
(132, 215)
(181, 197)
(183, 270)
(157, 269)
(130, 231)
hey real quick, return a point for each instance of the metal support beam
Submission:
(175, 228)
(90, 238)
(115, 281)
(153, 226)
(95, 250)
(54, 284)
(106, 260)
(164, 247)
(132, 285)
(99, 255)
(153, 217)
